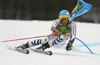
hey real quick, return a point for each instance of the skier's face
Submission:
(64, 21)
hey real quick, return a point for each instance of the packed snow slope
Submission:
(89, 33)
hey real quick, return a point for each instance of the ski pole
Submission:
(27, 38)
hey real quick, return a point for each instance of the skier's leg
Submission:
(38, 42)
(58, 42)
(46, 45)
(34, 43)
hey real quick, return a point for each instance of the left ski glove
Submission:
(69, 46)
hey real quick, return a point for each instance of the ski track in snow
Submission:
(10, 29)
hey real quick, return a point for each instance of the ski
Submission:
(44, 52)
(22, 50)
(36, 50)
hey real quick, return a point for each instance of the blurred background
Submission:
(45, 10)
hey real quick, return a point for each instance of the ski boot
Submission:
(23, 49)
(43, 47)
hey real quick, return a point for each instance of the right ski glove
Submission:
(56, 33)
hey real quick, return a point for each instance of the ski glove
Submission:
(69, 46)
(56, 33)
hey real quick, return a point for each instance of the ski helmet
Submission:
(64, 14)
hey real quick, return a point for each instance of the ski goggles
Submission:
(66, 16)
(64, 19)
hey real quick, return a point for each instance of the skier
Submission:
(62, 29)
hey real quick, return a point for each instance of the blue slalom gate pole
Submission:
(84, 44)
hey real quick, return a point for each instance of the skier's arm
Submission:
(73, 32)
(53, 28)
(55, 24)
(73, 35)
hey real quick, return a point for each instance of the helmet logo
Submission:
(67, 13)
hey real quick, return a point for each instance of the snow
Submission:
(89, 33)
